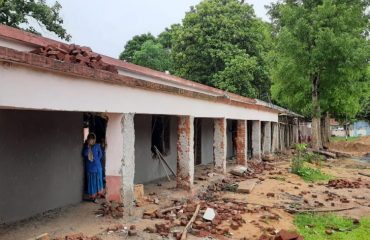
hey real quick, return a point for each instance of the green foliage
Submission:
(153, 55)
(313, 158)
(221, 43)
(313, 226)
(18, 13)
(325, 40)
(134, 45)
(298, 160)
(312, 174)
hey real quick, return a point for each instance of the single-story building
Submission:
(48, 104)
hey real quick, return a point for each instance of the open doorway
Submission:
(249, 139)
(94, 123)
(198, 141)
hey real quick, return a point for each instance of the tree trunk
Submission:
(325, 130)
(316, 119)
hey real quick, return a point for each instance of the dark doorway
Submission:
(249, 139)
(161, 134)
(198, 141)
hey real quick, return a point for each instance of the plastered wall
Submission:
(148, 169)
(40, 162)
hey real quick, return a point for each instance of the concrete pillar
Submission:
(275, 137)
(267, 138)
(256, 140)
(120, 159)
(220, 145)
(241, 142)
(185, 152)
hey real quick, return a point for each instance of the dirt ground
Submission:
(276, 192)
(360, 147)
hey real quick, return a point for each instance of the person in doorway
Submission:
(92, 154)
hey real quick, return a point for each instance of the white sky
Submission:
(106, 26)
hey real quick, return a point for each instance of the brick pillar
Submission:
(185, 152)
(256, 140)
(267, 138)
(120, 159)
(275, 137)
(220, 145)
(241, 142)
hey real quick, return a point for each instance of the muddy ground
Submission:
(266, 210)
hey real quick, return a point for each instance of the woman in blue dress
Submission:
(92, 154)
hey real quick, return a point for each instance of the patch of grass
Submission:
(339, 139)
(312, 174)
(313, 226)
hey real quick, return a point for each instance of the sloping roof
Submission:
(35, 41)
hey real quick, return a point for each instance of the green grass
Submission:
(313, 226)
(312, 174)
(338, 139)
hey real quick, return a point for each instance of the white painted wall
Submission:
(30, 88)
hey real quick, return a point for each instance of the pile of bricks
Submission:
(283, 235)
(78, 236)
(75, 54)
(228, 216)
(112, 209)
(343, 183)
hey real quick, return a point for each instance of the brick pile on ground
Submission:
(282, 235)
(112, 209)
(75, 54)
(343, 183)
(77, 236)
(228, 217)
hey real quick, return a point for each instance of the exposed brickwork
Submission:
(241, 142)
(185, 152)
(45, 63)
(220, 145)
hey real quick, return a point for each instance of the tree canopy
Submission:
(19, 13)
(322, 51)
(134, 45)
(216, 41)
(153, 55)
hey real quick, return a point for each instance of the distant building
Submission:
(356, 129)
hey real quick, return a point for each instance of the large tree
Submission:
(322, 51)
(19, 13)
(223, 44)
(153, 55)
(134, 45)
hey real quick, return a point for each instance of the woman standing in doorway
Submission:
(93, 154)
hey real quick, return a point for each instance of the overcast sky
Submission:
(106, 26)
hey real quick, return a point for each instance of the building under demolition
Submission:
(52, 94)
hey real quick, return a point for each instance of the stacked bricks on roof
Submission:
(75, 54)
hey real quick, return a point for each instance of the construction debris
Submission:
(209, 214)
(75, 54)
(112, 209)
(343, 183)
(78, 236)
(239, 170)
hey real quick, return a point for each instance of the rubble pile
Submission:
(283, 235)
(77, 236)
(343, 183)
(75, 54)
(112, 209)
(215, 217)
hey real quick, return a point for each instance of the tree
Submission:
(321, 53)
(134, 45)
(153, 55)
(213, 36)
(19, 13)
